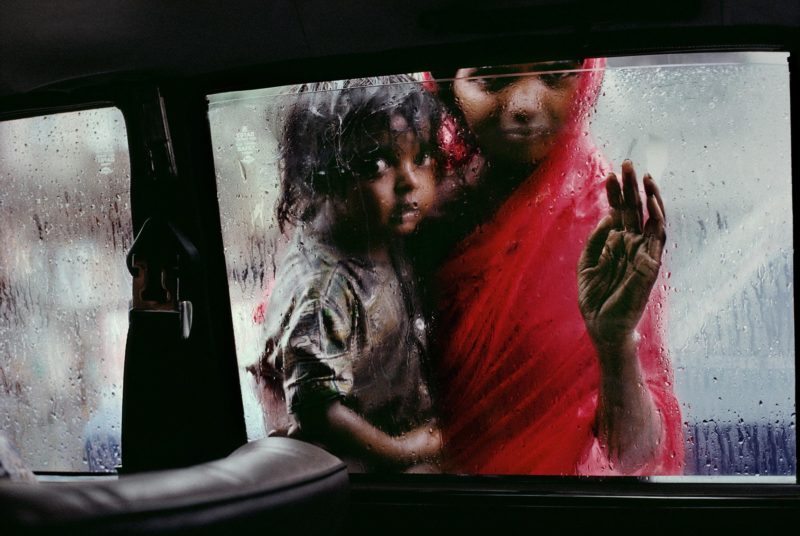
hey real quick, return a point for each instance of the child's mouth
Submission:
(405, 212)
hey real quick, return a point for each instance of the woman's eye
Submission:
(494, 83)
(556, 78)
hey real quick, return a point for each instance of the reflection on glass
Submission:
(520, 361)
(63, 287)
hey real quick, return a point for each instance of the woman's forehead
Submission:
(520, 68)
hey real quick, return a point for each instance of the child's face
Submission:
(397, 187)
(517, 112)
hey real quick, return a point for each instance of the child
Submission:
(345, 330)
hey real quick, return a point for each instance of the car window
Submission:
(64, 290)
(477, 325)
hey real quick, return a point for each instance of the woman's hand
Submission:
(620, 263)
(616, 272)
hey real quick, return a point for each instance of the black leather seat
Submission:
(270, 486)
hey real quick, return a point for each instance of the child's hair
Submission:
(330, 133)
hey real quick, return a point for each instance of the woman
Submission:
(539, 375)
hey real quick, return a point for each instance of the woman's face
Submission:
(516, 112)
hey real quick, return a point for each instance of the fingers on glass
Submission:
(613, 192)
(614, 195)
(655, 226)
(651, 189)
(632, 214)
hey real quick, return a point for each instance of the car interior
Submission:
(141, 165)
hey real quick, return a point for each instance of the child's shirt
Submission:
(348, 328)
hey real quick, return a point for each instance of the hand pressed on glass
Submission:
(621, 260)
(616, 273)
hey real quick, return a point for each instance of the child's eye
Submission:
(368, 169)
(423, 158)
(381, 166)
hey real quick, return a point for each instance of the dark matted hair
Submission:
(331, 130)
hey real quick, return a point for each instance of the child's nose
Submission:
(407, 177)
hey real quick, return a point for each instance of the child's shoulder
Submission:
(314, 268)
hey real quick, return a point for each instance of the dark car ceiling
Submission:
(45, 43)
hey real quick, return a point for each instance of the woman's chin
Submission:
(517, 152)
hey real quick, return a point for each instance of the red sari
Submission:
(519, 376)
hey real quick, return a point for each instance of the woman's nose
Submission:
(525, 99)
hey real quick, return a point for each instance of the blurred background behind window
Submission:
(65, 226)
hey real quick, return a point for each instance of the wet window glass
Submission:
(562, 268)
(64, 290)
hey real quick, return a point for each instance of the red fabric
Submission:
(518, 372)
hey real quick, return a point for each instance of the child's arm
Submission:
(343, 430)
(317, 352)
